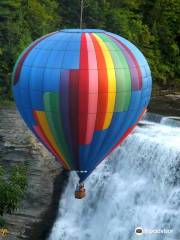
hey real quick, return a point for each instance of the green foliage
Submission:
(163, 19)
(41, 17)
(12, 188)
(21, 22)
(2, 222)
(151, 25)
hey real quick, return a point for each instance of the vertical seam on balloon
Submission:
(96, 90)
(54, 145)
(134, 124)
(55, 126)
(49, 141)
(105, 137)
(59, 93)
(41, 114)
(111, 82)
(43, 74)
(113, 91)
(69, 160)
(73, 113)
(83, 90)
(29, 96)
(29, 87)
(23, 56)
(39, 134)
(116, 40)
(75, 160)
(136, 111)
(30, 72)
(129, 130)
(93, 51)
(46, 64)
(44, 140)
(114, 45)
(64, 109)
(129, 66)
(131, 88)
(101, 105)
(129, 52)
(113, 60)
(65, 50)
(136, 64)
(29, 82)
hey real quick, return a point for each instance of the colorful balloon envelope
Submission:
(81, 92)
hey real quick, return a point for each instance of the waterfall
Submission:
(138, 185)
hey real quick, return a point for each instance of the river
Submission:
(138, 185)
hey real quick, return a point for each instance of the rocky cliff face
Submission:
(168, 105)
(45, 178)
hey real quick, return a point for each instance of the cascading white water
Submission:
(137, 186)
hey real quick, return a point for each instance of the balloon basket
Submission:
(80, 191)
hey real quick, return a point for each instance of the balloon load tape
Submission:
(78, 171)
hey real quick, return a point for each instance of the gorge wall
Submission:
(46, 179)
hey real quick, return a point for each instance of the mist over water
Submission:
(137, 186)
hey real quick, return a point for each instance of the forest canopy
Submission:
(153, 26)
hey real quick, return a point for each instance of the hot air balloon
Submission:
(81, 92)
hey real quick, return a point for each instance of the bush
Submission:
(12, 188)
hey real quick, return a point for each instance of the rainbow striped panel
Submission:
(81, 92)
